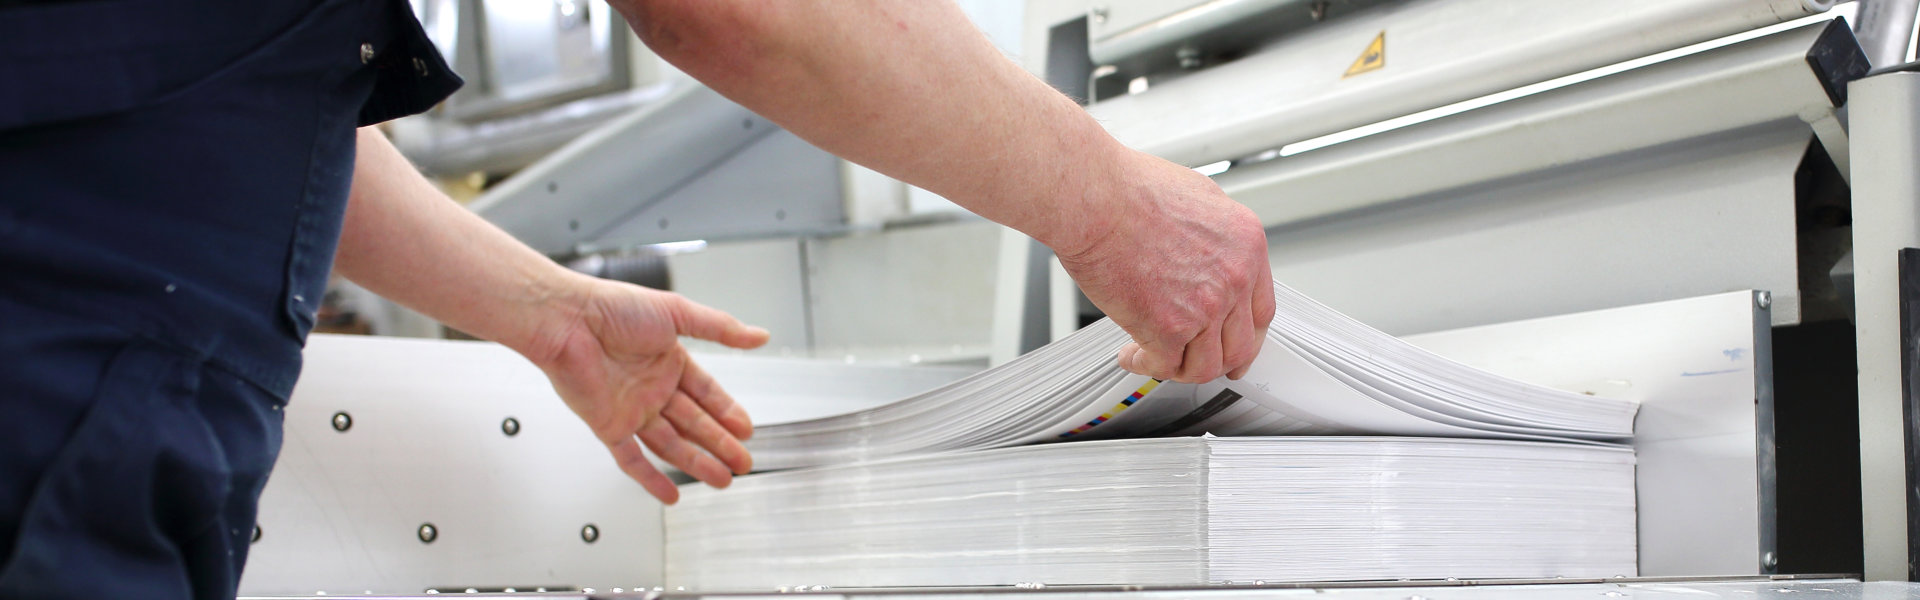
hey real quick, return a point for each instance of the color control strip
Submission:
(1137, 395)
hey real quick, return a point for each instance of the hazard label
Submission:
(1372, 59)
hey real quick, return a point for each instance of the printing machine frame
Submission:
(1714, 181)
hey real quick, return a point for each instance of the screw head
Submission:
(256, 534)
(366, 53)
(1764, 299)
(1099, 15)
(590, 533)
(428, 533)
(342, 421)
(511, 427)
(1188, 56)
(1770, 560)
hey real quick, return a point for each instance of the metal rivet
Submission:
(256, 534)
(1099, 15)
(428, 533)
(1770, 560)
(1764, 299)
(1189, 57)
(366, 53)
(511, 427)
(342, 421)
(590, 533)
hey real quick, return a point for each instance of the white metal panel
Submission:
(342, 510)
(778, 183)
(776, 390)
(600, 179)
(1675, 222)
(1886, 218)
(762, 283)
(1756, 82)
(925, 292)
(1437, 53)
(1697, 366)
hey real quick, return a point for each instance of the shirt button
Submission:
(366, 53)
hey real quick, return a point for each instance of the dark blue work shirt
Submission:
(182, 166)
(173, 179)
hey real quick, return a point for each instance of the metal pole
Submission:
(1886, 219)
(1885, 28)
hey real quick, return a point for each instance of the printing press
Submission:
(1709, 207)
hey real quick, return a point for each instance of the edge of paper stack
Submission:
(1343, 454)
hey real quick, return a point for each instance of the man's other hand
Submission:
(619, 365)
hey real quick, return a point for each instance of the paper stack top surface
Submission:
(1319, 373)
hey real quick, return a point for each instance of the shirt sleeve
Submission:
(410, 74)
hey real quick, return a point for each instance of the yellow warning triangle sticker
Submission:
(1372, 59)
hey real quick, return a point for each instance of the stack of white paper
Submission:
(1191, 510)
(1320, 372)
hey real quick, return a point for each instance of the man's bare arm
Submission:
(911, 89)
(611, 349)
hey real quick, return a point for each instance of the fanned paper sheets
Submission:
(1319, 373)
(1179, 511)
(964, 485)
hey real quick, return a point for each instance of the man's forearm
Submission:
(908, 88)
(408, 242)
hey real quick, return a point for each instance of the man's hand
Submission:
(619, 365)
(1179, 265)
(611, 349)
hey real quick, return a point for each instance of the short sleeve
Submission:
(410, 74)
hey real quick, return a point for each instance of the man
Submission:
(175, 175)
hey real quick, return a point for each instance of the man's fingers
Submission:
(1263, 300)
(1154, 360)
(1129, 355)
(633, 461)
(697, 320)
(1262, 316)
(696, 383)
(693, 423)
(1240, 341)
(1201, 363)
(665, 442)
